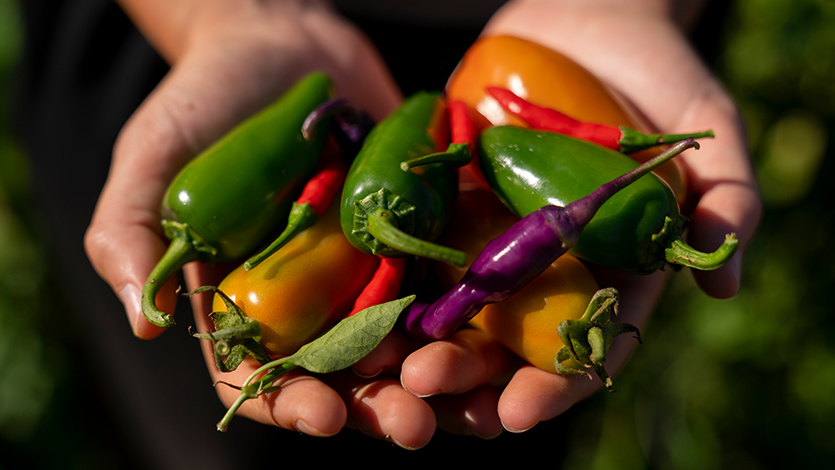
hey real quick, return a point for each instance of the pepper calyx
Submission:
(235, 336)
(379, 223)
(400, 213)
(182, 231)
(587, 340)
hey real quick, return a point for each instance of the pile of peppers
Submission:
(523, 173)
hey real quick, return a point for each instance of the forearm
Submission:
(170, 26)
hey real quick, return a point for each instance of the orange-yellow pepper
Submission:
(302, 289)
(547, 78)
(526, 323)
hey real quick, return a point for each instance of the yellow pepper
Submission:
(302, 289)
(525, 323)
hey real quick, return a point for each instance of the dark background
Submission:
(746, 383)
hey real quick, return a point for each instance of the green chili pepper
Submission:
(392, 210)
(637, 230)
(231, 197)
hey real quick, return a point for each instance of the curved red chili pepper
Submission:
(317, 195)
(463, 131)
(620, 138)
(321, 189)
(384, 286)
(462, 127)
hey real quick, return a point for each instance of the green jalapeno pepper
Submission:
(391, 210)
(638, 230)
(228, 200)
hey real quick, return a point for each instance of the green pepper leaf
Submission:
(349, 340)
(344, 344)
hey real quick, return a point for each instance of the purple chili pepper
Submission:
(352, 123)
(519, 255)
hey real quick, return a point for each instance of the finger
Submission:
(726, 199)
(381, 408)
(387, 357)
(303, 403)
(534, 395)
(469, 414)
(467, 360)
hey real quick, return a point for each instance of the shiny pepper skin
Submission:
(526, 323)
(225, 202)
(302, 289)
(547, 78)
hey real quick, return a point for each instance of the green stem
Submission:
(633, 141)
(253, 389)
(455, 155)
(301, 217)
(678, 252)
(383, 228)
(180, 251)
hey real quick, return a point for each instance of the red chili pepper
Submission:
(462, 127)
(463, 131)
(620, 138)
(384, 286)
(317, 195)
(462, 140)
(321, 190)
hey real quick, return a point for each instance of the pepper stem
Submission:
(180, 251)
(678, 252)
(633, 141)
(301, 217)
(455, 155)
(587, 340)
(583, 210)
(382, 227)
(252, 390)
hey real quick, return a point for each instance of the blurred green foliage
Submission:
(748, 382)
(27, 358)
(744, 383)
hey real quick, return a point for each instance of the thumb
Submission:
(183, 115)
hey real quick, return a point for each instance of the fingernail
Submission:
(368, 375)
(474, 432)
(131, 298)
(419, 395)
(305, 428)
(394, 441)
(516, 431)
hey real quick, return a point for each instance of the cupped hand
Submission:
(229, 59)
(640, 51)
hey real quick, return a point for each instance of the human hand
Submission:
(229, 59)
(639, 51)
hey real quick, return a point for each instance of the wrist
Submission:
(173, 27)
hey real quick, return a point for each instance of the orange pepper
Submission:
(302, 289)
(526, 323)
(547, 78)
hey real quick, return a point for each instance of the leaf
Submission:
(349, 340)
